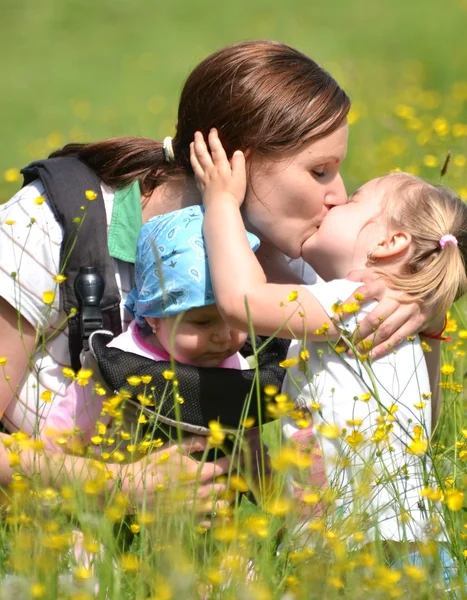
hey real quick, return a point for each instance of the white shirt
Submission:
(333, 383)
(30, 248)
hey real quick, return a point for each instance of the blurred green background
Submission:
(90, 69)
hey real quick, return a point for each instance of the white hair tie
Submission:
(168, 149)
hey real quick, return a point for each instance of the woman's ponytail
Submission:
(120, 161)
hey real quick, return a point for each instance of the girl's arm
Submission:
(289, 311)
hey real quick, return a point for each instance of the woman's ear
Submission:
(153, 323)
(394, 245)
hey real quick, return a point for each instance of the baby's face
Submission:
(202, 337)
(348, 233)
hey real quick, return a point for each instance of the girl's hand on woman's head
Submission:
(391, 321)
(216, 176)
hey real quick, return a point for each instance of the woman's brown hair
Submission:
(264, 97)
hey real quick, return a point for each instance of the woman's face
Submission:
(288, 197)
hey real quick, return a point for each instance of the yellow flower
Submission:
(416, 573)
(447, 369)
(359, 297)
(46, 396)
(304, 355)
(82, 572)
(59, 278)
(3, 361)
(142, 419)
(134, 380)
(96, 440)
(48, 297)
(144, 400)
(168, 374)
(351, 307)
(354, 422)
(10, 222)
(278, 507)
(426, 347)
(217, 435)
(418, 447)
(288, 363)
(463, 334)
(248, 422)
(420, 405)
(12, 175)
(430, 161)
(38, 590)
(328, 431)
(322, 330)
(146, 379)
(454, 499)
(130, 563)
(365, 397)
(14, 459)
(238, 484)
(271, 390)
(336, 582)
(292, 296)
(135, 528)
(336, 308)
(355, 439)
(431, 494)
(90, 195)
(68, 372)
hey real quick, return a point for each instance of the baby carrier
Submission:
(208, 393)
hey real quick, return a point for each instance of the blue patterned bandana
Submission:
(171, 267)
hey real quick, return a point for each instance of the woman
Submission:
(266, 99)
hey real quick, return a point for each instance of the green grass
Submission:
(87, 70)
(82, 70)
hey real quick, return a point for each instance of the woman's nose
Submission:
(336, 193)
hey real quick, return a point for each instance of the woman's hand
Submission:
(217, 178)
(172, 469)
(393, 319)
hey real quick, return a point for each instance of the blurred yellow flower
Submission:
(454, 499)
(46, 396)
(90, 194)
(12, 175)
(292, 296)
(447, 369)
(288, 363)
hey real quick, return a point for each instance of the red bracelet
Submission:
(438, 336)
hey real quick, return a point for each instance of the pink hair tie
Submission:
(447, 239)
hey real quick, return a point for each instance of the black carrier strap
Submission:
(209, 394)
(65, 180)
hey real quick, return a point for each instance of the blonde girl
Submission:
(401, 228)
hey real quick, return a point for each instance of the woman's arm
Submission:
(142, 481)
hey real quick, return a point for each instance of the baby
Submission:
(175, 316)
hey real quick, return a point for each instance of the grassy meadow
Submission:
(78, 70)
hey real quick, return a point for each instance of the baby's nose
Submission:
(223, 335)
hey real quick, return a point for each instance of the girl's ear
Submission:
(393, 246)
(153, 323)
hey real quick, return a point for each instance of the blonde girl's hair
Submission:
(434, 275)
